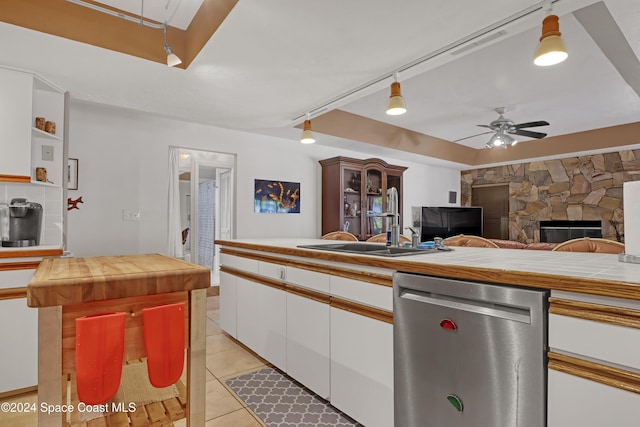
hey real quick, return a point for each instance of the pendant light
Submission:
(551, 49)
(307, 135)
(172, 58)
(396, 105)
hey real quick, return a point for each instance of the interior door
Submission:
(494, 201)
(224, 223)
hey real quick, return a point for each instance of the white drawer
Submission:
(363, 292)
(575, 401)
(598, 340)
(244, 264)
(15, 278)
(273, 271)
(309, 279)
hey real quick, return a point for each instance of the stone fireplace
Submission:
(585, 188)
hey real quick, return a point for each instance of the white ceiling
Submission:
(271, 62)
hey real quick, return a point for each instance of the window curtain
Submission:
(206, 223)
(174, 240)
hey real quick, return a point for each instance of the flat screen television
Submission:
(447, 221)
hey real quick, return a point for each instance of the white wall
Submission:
(123, 164)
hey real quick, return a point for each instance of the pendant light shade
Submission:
(551, 49)
(307, 135)
(396, 102)
(172, 58)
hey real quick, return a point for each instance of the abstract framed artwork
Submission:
(276, 196)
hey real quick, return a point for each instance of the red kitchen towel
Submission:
(99, 352)
(164, 341)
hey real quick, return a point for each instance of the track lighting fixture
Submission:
(172, 58)
(307, 136)
(396, 105)
(551, 49)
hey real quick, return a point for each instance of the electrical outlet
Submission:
(47, 152)
(130, 215)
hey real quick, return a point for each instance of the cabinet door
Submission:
(362, 368)
(16, 102)
(308, 343)
(352, 201)
(374, 189)
(228, 303)
(261, 320)
(574, 401)
(18, 335)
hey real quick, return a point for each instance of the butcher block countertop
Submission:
(63, 281)
(587, 273)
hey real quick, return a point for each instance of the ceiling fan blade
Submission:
(485, 126)
(531, 124)
(530, 134)
(472, 136)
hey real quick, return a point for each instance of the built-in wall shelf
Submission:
(46, 184)
(42, 134)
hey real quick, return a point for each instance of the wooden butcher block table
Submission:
(64, 289)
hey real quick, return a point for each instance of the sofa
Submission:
(481, 242)
(585, 244)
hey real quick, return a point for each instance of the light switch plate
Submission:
(128, 215)
(47, 152)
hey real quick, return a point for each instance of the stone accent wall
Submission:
(572, 188)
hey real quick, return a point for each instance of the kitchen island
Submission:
(326, 318)
(68, 290)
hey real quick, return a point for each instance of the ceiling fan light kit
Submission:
(504, 128)
(307, 136)
(396, 104)
(501, 139)
(551, 49)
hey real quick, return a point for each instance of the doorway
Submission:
(494, 200)
(206, 206)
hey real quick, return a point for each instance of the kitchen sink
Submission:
(369, 249)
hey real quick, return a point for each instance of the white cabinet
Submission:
(308, 329)
(575, 401)
(595, 340)
(228, 303)
(15, 122)
(308, 343)
(362, 368)
(261, 320)
(595, 337)
(284, 314)
(18, 334)
(25, 96)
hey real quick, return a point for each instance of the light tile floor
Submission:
(225, 359)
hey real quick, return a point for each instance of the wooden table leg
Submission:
(50, 367)
(196, 367)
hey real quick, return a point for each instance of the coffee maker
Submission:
(20, 223)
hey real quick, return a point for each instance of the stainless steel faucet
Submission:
(394, 215)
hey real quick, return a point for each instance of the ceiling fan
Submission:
(504, 128)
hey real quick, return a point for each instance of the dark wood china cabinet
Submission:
(355, 191)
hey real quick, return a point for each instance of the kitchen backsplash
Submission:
(51, 200)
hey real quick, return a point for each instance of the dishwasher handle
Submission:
(502, 311)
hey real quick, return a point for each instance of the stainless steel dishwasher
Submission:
(468, 354)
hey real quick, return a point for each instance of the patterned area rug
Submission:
(281, 402)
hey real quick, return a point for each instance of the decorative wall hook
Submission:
(73, 204)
